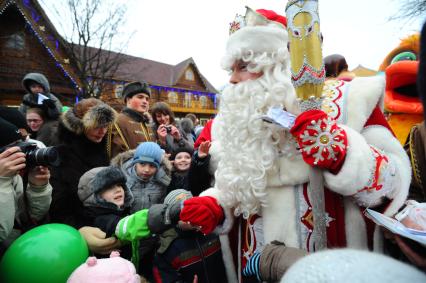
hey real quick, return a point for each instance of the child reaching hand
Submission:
(106, 199)
(185, 253)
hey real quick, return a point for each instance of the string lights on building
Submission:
(40, 32)
(29, 26)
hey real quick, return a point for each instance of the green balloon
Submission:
(48, 253)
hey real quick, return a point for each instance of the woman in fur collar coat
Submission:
(81, 145)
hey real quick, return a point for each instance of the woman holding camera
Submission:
(170, 136)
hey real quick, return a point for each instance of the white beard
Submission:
(244, 147)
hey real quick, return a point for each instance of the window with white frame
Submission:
(118, 90)
(203, 101)
(188, 100)
(189, 75)
(172, 97)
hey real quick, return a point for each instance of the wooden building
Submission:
(182, 86)
(30, 43)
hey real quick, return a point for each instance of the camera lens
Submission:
(48, 156)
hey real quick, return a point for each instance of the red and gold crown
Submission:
(260, 17)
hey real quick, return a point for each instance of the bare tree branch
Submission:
(410, 10)
(95, 30)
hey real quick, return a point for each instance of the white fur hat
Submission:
(257, 33)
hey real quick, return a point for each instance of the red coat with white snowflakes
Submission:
(375, 173)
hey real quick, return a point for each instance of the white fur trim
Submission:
(381, 138)
(254, 40)
(356, 232)
(228, 260)
(279, 217)
(357, 167)
(212, 192)
(292, 171)
(365, 93)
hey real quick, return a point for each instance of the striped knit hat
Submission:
(177, 195)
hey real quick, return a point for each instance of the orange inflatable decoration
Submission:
(402, 102)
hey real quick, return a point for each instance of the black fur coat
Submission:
(78, 155)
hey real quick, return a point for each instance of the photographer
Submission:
(19, 207)
(169, 135)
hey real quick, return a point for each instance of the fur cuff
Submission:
(381, 138)
(357, 167)
(381, 182)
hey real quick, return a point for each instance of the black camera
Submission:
(35, 156)
(168, 128)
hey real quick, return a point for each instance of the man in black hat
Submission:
(132, 126)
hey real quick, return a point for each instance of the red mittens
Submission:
(202, 211)
(322, 142)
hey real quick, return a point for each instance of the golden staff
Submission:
(308, 74)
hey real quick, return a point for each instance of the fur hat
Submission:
(133, 88)
(257, 33)
(98, 179)
(148, 152)
(9, 133)
(114, 269)
(88, 114)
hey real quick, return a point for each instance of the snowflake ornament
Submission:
(323, 140)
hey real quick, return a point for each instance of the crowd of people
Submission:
(227, 202)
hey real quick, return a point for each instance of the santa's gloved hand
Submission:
(253, 266)
(204, 212)
(322, 142)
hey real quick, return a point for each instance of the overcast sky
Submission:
(171, 31)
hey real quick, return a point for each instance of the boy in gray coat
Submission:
(148, 175)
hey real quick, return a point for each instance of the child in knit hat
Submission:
(191, 170)
(181, 158)
(184, 252)
(147, 172)
(148, 176)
